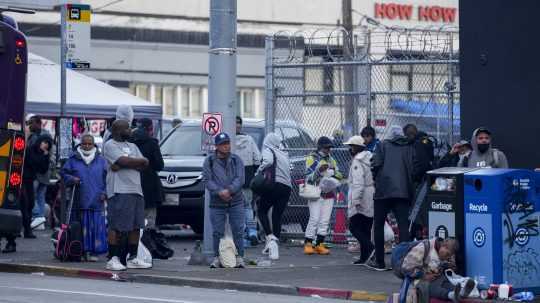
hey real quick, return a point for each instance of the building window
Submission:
(246, 99)
(191, 103)
(142, 91)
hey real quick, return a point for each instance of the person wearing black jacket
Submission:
(392, 167)
(142, 136)
(36, 161)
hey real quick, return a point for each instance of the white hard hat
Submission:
(355, 140)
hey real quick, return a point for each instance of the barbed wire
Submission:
(367, 42)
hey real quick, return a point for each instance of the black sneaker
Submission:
(372, 264)
(457, 293)
(469, 287)
(10, 248)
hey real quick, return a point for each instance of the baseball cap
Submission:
(222, 138)
(355, 140)
(482, 130)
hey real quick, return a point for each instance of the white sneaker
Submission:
(215, 263)
(38, 223)
(114, 264)
(273, 248)
(136, 263)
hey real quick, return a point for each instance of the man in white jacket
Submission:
(247, 150)
(360, 197)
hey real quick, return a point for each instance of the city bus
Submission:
(13, 77)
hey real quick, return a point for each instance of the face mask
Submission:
(483, 147)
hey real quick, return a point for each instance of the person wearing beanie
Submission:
(319, 165)
(123, 112)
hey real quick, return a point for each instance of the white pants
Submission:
(320, 212)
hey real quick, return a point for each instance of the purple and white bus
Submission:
(13, 75)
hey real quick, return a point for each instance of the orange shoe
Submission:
(322, 250)
(308, 249)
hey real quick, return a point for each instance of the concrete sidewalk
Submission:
(295, 273)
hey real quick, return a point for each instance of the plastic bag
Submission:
(310, 192)
(328, 184)
(227, 252)
(143, 253)
(388, 233)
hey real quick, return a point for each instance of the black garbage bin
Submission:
(443, 209)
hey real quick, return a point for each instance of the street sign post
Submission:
(212, 125)
(77, 36)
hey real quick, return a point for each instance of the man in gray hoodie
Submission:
(223, 175)
(483, 154)
(247, 150)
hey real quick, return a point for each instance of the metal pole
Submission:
(369, 105)
(63, 54)
(451, 88)
(221, 84)
(351, 108)
(63, 97)
(269, 85)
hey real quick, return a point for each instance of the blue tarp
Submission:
(430, 110)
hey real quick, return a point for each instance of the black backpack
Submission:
(263, 182)
(67, 241)
(156, 244)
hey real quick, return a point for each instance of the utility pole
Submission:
(351, 104)
(221, 84)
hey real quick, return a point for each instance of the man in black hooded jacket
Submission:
(393, 169)
(142, 136)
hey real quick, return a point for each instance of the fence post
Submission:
(368, 80)
(450, 88)
(269, 86)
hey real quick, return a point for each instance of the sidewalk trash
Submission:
(524, 296)
(263, 262)
(316, 296)
(41, 274)
(504, 291)
(197, 257)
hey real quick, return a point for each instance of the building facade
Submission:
(159, 52)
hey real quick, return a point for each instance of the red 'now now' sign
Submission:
(393, 11)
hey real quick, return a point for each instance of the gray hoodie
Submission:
(283, 167)
(492, 158)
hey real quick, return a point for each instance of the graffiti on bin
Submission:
(522, 266)
(520, 220)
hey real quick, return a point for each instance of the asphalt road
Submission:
(36, 289)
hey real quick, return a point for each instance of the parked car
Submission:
(182, 174)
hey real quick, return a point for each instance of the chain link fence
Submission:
(333, 83)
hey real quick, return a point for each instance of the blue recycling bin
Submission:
(502, 214)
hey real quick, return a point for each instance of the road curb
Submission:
(193, 282)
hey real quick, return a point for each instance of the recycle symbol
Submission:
(479, 237)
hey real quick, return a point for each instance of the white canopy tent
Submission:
(86, 97)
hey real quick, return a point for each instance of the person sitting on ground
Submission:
(125, 208)
(223, 175)
(87, 170)
(428, 271)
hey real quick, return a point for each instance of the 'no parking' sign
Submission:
(212, 124)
